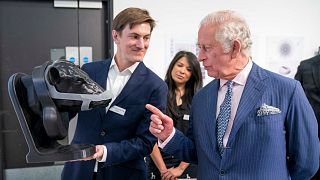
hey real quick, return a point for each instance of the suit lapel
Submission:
(252, 93)
(316, 72)
(211, 103)
(135, 80)
(102, 73)
(101, 79)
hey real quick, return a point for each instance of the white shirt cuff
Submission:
(104, 157)
(164, 143)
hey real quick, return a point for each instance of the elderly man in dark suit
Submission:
(248, 123)
(308, 74)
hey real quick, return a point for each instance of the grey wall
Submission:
(28, 31)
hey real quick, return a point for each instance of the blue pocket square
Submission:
(267, 110)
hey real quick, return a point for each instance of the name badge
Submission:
(118, 110)
(186, 117)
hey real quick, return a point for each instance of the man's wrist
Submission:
(165, 142)
(182, 168)
(104, 156)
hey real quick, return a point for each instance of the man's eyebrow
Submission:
(136, 34)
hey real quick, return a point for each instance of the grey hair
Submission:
(231, 26)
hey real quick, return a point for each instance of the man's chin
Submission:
(138, 58)
(213, 75)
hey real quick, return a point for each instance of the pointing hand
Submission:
(161, 125)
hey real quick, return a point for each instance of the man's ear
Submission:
(115, 36)
(236, 49)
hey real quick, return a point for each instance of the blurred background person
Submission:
(184, 79)
(308, 74)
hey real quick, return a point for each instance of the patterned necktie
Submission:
(223, 117)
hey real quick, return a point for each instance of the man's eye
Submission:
(147, 38)
(204, 47)
(134, 37)
(207, 48)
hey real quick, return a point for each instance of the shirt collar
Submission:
(131, 69)
(242, 77)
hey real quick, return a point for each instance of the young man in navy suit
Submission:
(248, 123)
(120, 131)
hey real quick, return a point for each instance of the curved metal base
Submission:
(62, 153)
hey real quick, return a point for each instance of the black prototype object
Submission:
(43, 102)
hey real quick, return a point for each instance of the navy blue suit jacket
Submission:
(127, 136)
(270, 147)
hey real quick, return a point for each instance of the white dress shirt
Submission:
(238, 87)
(116, 80)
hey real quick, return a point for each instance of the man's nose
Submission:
(140, 43)
(201, 56)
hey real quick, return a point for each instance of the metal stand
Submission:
(42, 148)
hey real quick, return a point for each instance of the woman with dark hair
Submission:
(184, 79)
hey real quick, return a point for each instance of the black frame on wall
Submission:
(28, 30)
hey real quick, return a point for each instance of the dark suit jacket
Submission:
(308, 74)
(127, 136)
(269, 147)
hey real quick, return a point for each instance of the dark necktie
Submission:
(224, 116)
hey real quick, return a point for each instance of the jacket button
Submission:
(222, 172)
(103, 133)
